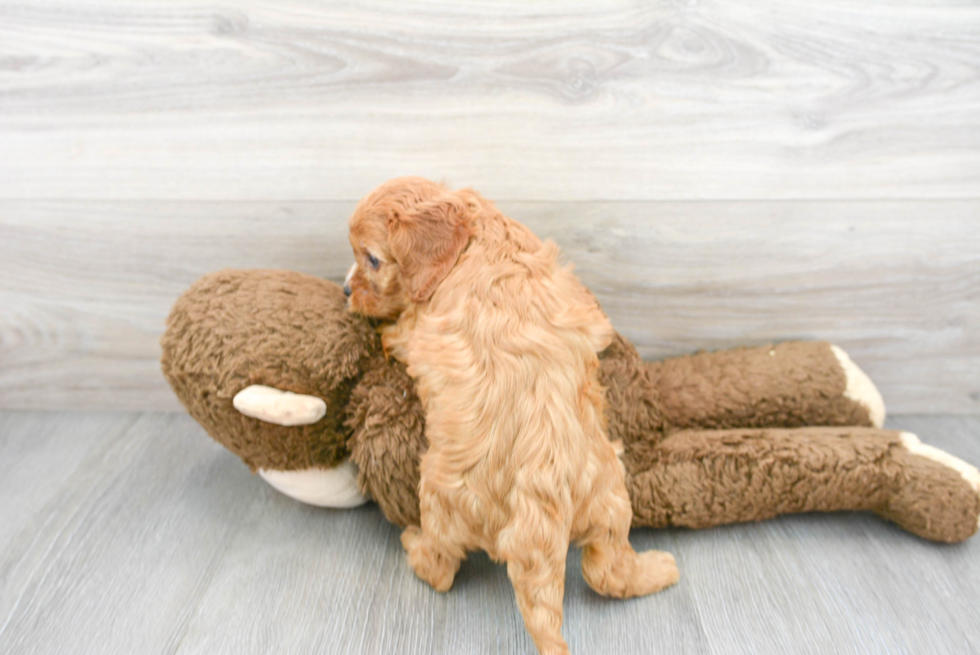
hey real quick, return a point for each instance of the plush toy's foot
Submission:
(334, 487)
(430, 562)
(860, 388)
(939, 494)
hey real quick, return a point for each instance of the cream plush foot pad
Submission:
(860, 388)
(335, 487)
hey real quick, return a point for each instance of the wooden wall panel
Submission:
(85, 286)
(722, 172)
(669, 100)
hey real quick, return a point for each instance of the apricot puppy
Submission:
(502, 342)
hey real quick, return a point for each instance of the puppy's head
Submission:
(407, 235)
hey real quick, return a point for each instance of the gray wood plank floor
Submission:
(134, 533)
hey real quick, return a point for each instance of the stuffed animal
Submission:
(276, 369)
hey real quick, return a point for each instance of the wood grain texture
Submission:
(41, 451)
(116, 558)
(304, 99)
(85, 286)
(144, 536)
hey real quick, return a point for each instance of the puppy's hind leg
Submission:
(609, 563)
(535, 550)
(431, 560)
(432, 552)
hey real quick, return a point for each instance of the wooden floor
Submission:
(134, 533)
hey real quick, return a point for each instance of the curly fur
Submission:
(501, 341)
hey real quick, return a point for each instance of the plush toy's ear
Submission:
(426, 240)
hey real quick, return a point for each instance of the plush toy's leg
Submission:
(703, 478)
(792, 384)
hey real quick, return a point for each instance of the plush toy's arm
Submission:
(387, 440)
(792, 384)
(699, 479)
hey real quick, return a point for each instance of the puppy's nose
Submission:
(347, 290)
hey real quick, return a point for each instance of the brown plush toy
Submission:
(277, 370)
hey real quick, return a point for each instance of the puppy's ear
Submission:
(426, 239)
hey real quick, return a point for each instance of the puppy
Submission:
(502, 342)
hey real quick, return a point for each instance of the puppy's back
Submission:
(506, 361)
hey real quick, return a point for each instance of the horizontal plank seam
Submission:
(922, 199)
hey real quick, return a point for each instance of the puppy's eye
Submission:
(373, 261)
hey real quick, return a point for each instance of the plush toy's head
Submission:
(232, 329)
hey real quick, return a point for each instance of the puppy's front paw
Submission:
(430, 563)
(410, 537)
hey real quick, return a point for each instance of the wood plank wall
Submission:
(722, 173)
